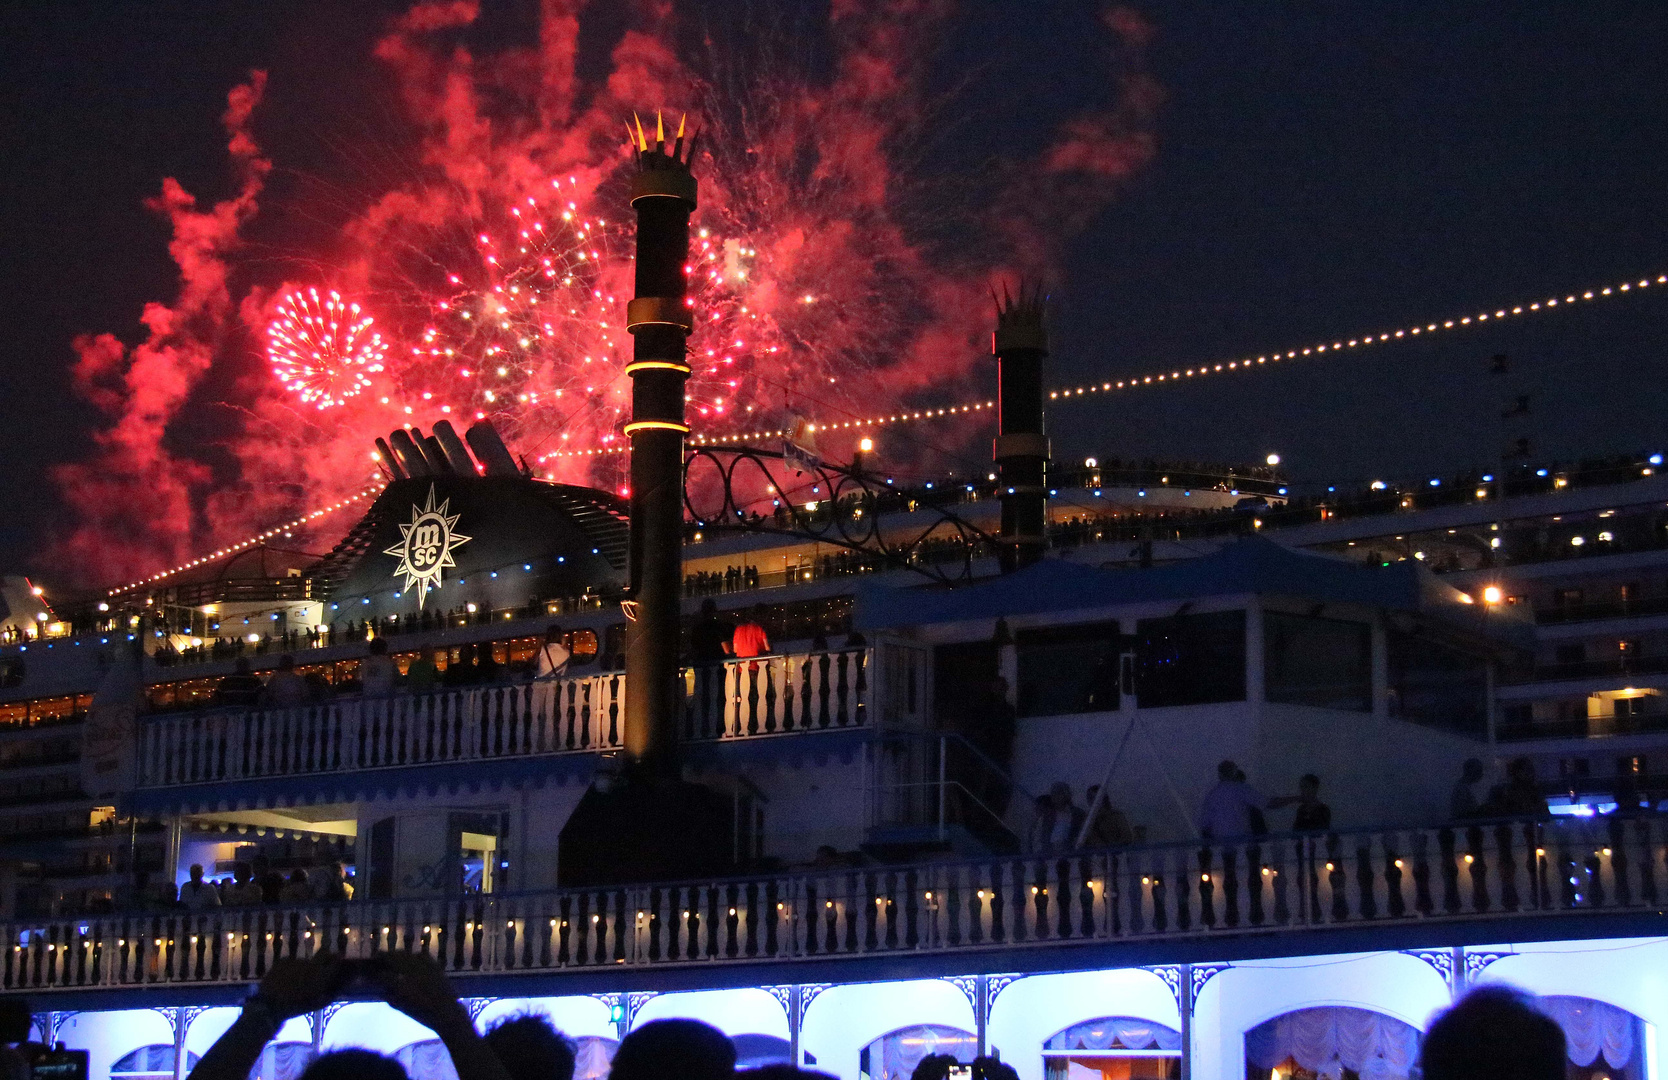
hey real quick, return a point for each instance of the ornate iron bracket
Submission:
(847, 515)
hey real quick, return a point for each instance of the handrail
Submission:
(780, 694)
(1381, 878)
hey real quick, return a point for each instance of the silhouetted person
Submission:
(781, 1070)
(1312, 814)
(197, 894)
(1108, 826)
(270, 880)
(1463, 803)
(554, 654)
(686, 1049)
(1494, 1033)
(530, 1048)
(1522, 796)
(749, 638)
(487, 667)
(377, 671)
(241, 687)
(462, 673)
(424, 674)
(285, 688)
(354, 1064)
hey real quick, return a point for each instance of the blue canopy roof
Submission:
(1253, 565)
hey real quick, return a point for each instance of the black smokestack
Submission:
(408, 455)
(1021, 449)
(663, 196)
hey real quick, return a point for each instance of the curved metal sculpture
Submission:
(847, 512)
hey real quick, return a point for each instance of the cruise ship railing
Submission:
(769, 695)
(778, 695)
(1298, 882)
(584, 713)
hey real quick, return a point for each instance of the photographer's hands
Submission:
(410, 982)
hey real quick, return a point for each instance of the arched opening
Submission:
(282, 1061)
(1333, 1042)
(894, 1055)
(155, 1062)
(1113, 1048)
(1604, 1042)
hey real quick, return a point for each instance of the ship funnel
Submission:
(490, 450)
(456, 453)
(406, 453)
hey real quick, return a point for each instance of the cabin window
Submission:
(1326, 663)
(1191, 659)
(1068, 669)
(1434, 685)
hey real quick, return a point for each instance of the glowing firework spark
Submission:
(828, 278)
(526, 328)
(324, 352)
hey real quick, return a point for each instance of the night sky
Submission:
(1323, 171)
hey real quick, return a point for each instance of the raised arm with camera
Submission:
(412, 983)
(291, 988)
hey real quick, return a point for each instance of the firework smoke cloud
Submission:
(489, 281)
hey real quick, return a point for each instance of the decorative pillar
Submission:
(659, 319)
(1185, 994)
(1021, 449)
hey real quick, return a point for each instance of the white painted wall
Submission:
(734, 1012)
(109, 1036)
(1351, 752)
(812, 804)
(1028, 1012)
(1238, 999)
(842, 1020)
(1630, 973)
(373, 1025)
(575, 1017)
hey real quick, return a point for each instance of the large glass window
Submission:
(1437, 686)
(1334, 1041)
(1327, 663)
(1191, 659)
(1068, 669)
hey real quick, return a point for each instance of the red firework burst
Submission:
(526, 326)
(322, 349)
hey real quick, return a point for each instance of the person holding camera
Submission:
(410, 982)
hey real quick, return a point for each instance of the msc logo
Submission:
(425, 548)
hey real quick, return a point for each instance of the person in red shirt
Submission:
(749, 638)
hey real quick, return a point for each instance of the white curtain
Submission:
(427, 1060)
(1125, 1032)
(593, 1056)
(1592, 1028)
(895, 1056)
(1328, 1040)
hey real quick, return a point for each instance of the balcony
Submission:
(770, 695)
(1511, 873)
(1589, 669)
(1601, 609)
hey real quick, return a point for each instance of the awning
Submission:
(422, 781)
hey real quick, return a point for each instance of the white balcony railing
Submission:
(465, 724)
(770, 695)
(778, 695)
(1384, 879)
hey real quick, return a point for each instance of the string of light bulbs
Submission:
(1344, 345)
(811, 427)
(1248, 363)
(232, 549)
